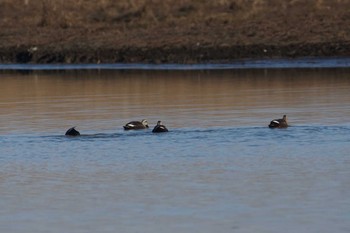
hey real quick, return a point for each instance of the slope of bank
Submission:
(166, 31)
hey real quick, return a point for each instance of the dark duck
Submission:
(72, 132)
(136, 125)
(159, 128)
(279, 123)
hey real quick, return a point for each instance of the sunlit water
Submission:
(219, 169)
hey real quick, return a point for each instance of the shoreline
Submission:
(182, 54)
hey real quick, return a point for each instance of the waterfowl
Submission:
(136, 125)
(72, 132)
(279, 123)
(159, 128)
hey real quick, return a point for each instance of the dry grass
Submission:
(82, 13)
(172, 22)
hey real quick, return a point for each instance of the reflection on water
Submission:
(102, 100)
(219, 169)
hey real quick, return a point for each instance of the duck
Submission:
(72, 132)
(159, 128)
(279, 123)
(136, 125)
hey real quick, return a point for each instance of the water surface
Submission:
(219, 169)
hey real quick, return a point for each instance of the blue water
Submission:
(218, 169)
(224, 179)
(336, 62)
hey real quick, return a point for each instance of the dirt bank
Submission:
(167, 31)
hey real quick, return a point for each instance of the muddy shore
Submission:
(154, 31)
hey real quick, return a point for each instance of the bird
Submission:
(136, 125)
(72, 132)
(159, 128)
(279, 123)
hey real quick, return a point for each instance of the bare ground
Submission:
(171, 31)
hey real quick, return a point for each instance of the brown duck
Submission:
(279, 123)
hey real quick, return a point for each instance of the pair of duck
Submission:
(132, 125)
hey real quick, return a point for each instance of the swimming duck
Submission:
(279, 123)
(136, 125)
(72, 132)
(159, 128)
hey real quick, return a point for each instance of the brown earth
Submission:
(171, 31)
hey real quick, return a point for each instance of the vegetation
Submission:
(157, 26)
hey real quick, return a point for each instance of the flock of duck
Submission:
(160, 128)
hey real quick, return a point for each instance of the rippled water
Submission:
(219, 169)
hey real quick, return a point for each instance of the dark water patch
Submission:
(343, 62)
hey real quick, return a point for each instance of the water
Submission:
(336, 62)
(219, 169)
